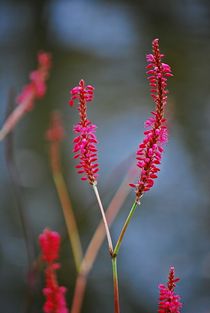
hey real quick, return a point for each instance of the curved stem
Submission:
(109, 239)
(122, 233)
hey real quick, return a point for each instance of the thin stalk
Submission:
(122, 233)
(115, 285)
(109, 239)
(114, 258)
(14, 117)
(32, 275)
(97, 240)
(66, 204)
(79, 293)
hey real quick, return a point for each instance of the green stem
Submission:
(66, 205)
(122, 233)
(115, 285)
(69, 219)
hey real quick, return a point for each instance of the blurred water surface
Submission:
(105, 42)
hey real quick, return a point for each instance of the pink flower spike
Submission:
(34, 90)
(169, 302)
(85, 141)
(151, 148)
(37, 87)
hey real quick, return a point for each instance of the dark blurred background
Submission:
(105, 42)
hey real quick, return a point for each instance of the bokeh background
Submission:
(105, 42)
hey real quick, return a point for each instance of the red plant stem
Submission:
(115, 285)
(15, 116)
(79, 293)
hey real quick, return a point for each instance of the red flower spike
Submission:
(36, 89)
(169, 302)
(150, 150)
(54, 294)
(85, 140)
(50, 243)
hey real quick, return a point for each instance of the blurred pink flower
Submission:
(37, 87)
(55, 295)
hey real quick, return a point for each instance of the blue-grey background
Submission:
(105, 42)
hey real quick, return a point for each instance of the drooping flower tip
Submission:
(81, 92)
(56, 130)
(50, 244)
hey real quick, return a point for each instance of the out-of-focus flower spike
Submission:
(50, 244)
(34, 90)
(55, 301)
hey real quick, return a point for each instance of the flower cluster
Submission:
(55, 295)
(36, 89)
(169, 302)
(150, 150)
(85, 140)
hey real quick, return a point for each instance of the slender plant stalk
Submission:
(79, 293)
(25, 222)
(122, 233)
(109, 239)
(113, 252)
(97, 240)
(115, 284)
(14, 117)
(65, 204)
(15, 180)
(114, 259)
